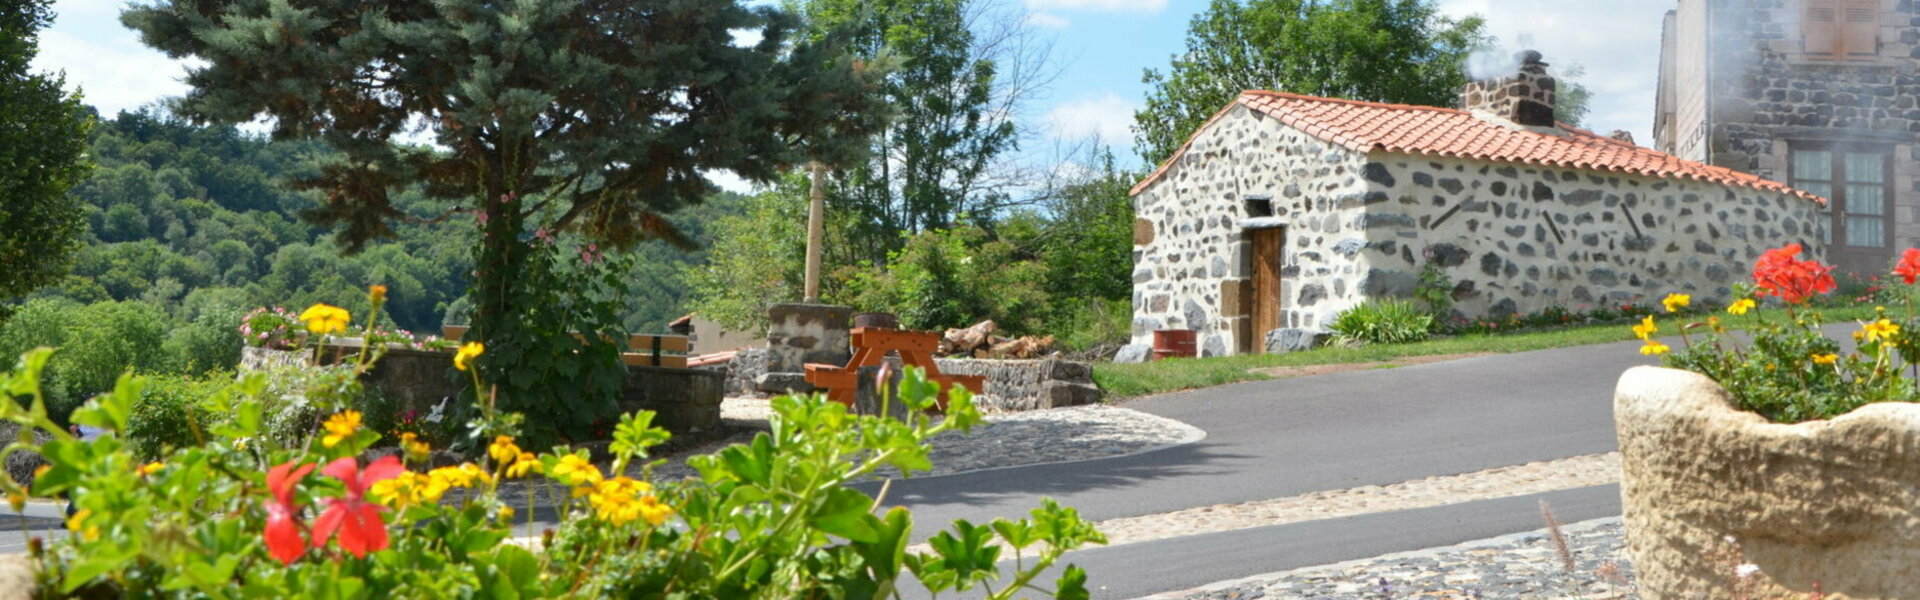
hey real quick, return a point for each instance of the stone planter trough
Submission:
(1835, 502)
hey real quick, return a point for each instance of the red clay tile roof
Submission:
(1432, 131)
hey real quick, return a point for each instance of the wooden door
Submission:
(1269, 247)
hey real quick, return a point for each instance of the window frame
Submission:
(1837, 209)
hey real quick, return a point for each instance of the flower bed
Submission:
(1800, 451)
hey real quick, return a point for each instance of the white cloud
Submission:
(1107, 118)
(728, 181)
(1147, 6)
(1048, 21)
(106, 61)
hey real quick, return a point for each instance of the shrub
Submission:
(955, 278)
(1091, 323)
(168, 414)
(1383, 321)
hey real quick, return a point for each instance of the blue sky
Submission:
(1101, 47)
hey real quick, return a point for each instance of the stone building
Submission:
(1818, 94)
(1282, 211)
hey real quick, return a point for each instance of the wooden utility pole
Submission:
(816, 231)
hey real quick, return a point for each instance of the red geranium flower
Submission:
(357, 521)
(283, 527)
(1909, 266)
(1778, 273)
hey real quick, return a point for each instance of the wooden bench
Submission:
(643, 350)
(871, 345)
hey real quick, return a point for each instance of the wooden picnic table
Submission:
(870, 347)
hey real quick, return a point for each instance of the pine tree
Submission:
(591, 116)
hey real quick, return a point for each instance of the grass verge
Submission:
(1128, 380)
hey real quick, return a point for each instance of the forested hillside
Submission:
(189, 227)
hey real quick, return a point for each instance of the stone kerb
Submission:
(1826, 501)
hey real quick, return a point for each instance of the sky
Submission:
(1100, 48)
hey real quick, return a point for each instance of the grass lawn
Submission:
(1127, 380)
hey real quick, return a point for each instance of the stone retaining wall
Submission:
(1016, 385)
(1012, 385)
(687, 400)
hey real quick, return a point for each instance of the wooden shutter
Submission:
(1819, 26)
(1859, 29)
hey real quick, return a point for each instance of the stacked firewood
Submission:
(979, 341)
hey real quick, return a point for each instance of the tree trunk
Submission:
(816, 231)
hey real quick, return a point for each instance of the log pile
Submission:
(979, 341)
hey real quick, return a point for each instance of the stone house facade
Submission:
(1823, 95)
(1283, 211)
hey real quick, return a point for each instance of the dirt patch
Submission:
(1304, 371)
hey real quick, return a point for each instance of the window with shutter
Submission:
(1819, 28)
(1859, 30)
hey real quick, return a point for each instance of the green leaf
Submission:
(1072, 585)
(845, 513)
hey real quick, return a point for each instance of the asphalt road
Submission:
(1285, 437)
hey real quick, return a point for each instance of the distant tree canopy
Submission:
(43, 140)
(1399, 51)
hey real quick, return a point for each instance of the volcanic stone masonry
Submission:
(1513, 238)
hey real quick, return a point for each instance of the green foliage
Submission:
(1090, 323)
(98, 342)
(1383, 321)
(954, 278)
(775, 518)
(1399, 51)
(43, 132)
(1434, 288)
(928, 170)
(168, 414)
(757, 259)
(562, 290)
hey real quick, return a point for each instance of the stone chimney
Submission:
(1525, 97)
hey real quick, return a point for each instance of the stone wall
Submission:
(1016, 385)
(1514, 238)
(1191, 245)
(1518, 239)
(1763, 94)
(807, 333)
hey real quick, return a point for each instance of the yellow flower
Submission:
(524, 464)
(1654, 347)
(1825, 359)
(1741, 306)
(575, 471)
(1879, 330)
(78, 524)
(468, 352)
(340, 426)
(621, 500)
(1675, 302)
(152, 467)
(17, 500)
(506, 513)
(502, 450)
(417, 451)
(41, 471)
(377, 294)
(464, 476)
(408, 489)
(1646, 328)
(326, 318)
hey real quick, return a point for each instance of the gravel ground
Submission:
(1525, 566)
